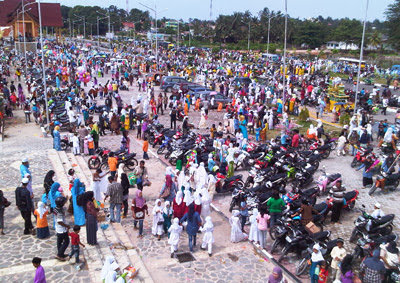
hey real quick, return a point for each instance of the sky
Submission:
(200, 9)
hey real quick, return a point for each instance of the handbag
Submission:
(166, 193)
(139, 214)
(160, 222)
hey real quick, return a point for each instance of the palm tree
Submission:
(375, 40)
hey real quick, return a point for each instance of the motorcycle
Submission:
(326, 181)
(228, 184)
(365, 246)
(349, 197)
(360, 157)
(65, 143)
(165, 145)
(127, 159)
(381, 226)
(385, 182)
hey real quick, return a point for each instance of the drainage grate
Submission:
(185, 257)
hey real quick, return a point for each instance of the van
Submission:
(270, 57)
(395, 68)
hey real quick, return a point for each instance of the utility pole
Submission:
(284, 58)
(178, 34)
(43, 65)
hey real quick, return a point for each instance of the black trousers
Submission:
(125, 203)
(336, 212)
(160, 109)
(26, 215)
(173, 122)
(62, 243)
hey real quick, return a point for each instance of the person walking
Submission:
(41, 221)
(141, 174)
(91, 219)
(115, 192)
(79, 213)
(3, 204)
(193, 223)
(61, 228)
(125, 185)
(262, 226)
(139, 208)
(172, 114)
(25, 205)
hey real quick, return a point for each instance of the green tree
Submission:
(375, 39)
(348, 31)
(392, 24)
(310, 34)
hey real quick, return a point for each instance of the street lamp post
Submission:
(155, 13)
(84, 25)
(284, 58)
(178, 35)
(361, 57)
(43, 65)
(98, 33)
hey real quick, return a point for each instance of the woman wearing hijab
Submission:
(53, 195)
(201, 176)
(125, 141)
(109, 267)
(205, 203)
(208, 238)
(367, 173)
(231, 160)
(95, 135)
(193, 223)
(203, 120)
(316, 260)
(41, 221)
(253, 234)
(57, 138)
(175, 233)
(79, 213)
(91, 219)
(98, 181)
(236, 231)
(197, 202)
(167, 214)
(158, 220)
(372, 269)
(168, 190)
(139, 207)
(276, 276)
(125, 185)
(178, 206)
(48, 182)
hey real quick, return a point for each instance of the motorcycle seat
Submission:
(321, 235)
(130, 155)
(255, 155)
(233, 178)
(277, 176)
(334, 177)
(118, 152)
(384, 219)
(320, 206)
(324, 147)
(309, 192)
(350, 195)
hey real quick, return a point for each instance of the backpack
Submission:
(80, 200)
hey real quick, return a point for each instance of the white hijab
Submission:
(109, 265)
(111, 276)
(197, 198)
(41, 209)
(157, 207)
(168, 171)
(181, 180)
(201, 175)
(208, 224)
(388, 135)
(205, 196)
(188, 199)
(166, 210)
(311, 130)
(179, 197)
(315, 257)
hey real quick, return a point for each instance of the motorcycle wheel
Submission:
(315, 164)
(167, 154)
(356, 254)
(240, 184)
(274, 246)
(131, 164)
(354, 162)
(387, 230)
(333, 145)
(232, 206)
(373, 189)
(151, 140)
(326, 154)
(354, 235)
(301, 267)
(249, 183)
(172, 161)
(64, 145)
(272, 232)
(284, 253)
(94, 163)
(160, 150)
(351, 205)
(395, 185)
(104, 167)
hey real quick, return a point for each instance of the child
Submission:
(212, 131)
(75, 242)
(253, 235)
(75, 144)
(337, 254)
(236, 232)
(41, 221)
(61, 228)
(112, 164)
(208, 238)
(220, 128)
(91, 145)
(341, 143)
(145, 148)
(86, 146)
(316, 261)
(323, 273)
(71, 178)
(167, 214)
(175, 232)
(40, 276)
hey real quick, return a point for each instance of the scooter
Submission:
(385, 182)
(349, 197)
(326, 181)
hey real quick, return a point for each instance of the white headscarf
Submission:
(109, 265)
(315, 257)
(319, 123)
(179, 197)
(235, 213)
(311, 130)
(166, 210)
(168, 171)
(369, 129)
(205, 196)
(188, 199)
(201, 175)
(208, 224)
(181, 180)
(388, 135)
(41, 209)
(175, 224)
(111, 276)
(197, 198)
(157, 207)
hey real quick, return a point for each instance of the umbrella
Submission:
(340, 103)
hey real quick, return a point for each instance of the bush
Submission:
(344, 119)
(304, 114)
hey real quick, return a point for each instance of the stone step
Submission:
(58, 168)
(83, 164)
(78, 169)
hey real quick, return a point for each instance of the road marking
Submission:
(214, 207)
(29, 267)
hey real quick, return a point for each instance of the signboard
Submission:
(152, 36)
(110, 35)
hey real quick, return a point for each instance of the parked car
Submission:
(242, 80)
(184, 87)
(167, 82)
(208, 95)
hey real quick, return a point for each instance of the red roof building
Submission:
(11, 15)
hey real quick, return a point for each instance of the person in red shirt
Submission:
(75, 242)
(296, 138)
(323, 273)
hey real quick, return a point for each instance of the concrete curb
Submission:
(262, 251)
